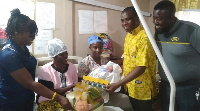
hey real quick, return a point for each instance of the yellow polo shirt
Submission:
(138, 51)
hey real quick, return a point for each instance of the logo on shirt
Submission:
(174, 39)
(138, 82)
(133, 56)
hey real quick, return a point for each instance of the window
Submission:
(191, 15)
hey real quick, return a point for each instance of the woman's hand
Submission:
(64, 102)
(112, 87)
(72, 85)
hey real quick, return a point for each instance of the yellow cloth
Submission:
(186, 4)
(138, 51)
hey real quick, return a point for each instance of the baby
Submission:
(108, 68)
(111, 72)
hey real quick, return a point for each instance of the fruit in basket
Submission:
(85, 98)
(81, 105)
(94, 94)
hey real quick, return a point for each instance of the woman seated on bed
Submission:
(94, 60)
(58, 75)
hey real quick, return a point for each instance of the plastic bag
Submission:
(85, 98)
(107, 48)
(112, 77)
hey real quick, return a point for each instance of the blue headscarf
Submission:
(94, 38)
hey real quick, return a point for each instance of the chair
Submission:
(40, 62)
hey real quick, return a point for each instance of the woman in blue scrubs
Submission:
(17, 67)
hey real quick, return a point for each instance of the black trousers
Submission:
(139, 105)
(185, 99)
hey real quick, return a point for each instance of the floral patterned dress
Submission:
(88, 65)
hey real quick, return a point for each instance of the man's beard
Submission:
(163, 30)
(159, 31)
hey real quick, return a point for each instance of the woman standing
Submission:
(17, 67)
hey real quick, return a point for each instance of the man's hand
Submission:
(112, 87)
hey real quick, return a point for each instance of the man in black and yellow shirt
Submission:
(178, 42)
(139, 65)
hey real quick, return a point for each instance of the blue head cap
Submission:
(94, 38)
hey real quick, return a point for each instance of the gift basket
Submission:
(84, 97)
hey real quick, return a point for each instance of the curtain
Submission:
(186, 4)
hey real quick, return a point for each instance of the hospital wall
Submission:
(67, 23)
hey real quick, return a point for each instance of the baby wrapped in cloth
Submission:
(111, 72)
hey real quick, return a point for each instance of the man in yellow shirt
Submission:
(139, 63)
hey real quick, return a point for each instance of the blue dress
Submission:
(12, 58)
